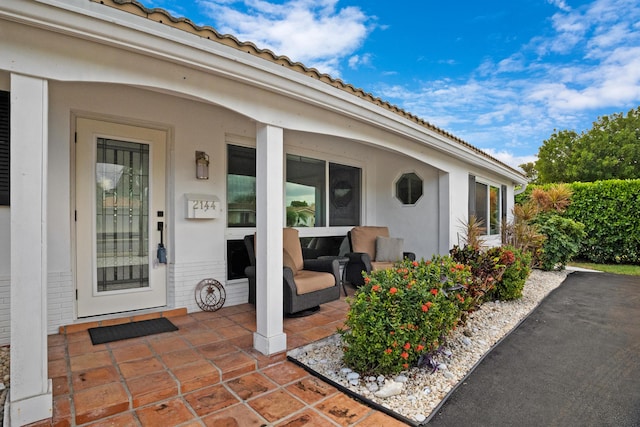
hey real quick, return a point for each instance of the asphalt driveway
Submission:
(575, 361)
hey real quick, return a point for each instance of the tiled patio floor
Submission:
(204, 374)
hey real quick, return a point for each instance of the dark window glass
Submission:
(409, 188)
(241, 186)
(237, 259)
(344, 195)
(305, 192)
(487, 209)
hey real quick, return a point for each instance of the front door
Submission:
(120, 203)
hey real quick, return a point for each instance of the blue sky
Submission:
(502, 75)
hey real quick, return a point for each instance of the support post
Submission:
(269, 337)
(31, 391)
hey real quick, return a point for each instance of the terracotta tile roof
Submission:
(164, 17)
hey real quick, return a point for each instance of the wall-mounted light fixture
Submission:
(202, 165)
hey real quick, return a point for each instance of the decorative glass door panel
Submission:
(120, 199)
(122, 215)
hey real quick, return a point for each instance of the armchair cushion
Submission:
(310, 281)
(389, 249)
(363, 239)
(292, 250)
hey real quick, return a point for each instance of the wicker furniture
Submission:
(367, 244)
(306, 283)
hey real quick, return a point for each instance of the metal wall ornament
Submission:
(210, 295)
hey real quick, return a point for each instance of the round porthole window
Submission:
(409, 188)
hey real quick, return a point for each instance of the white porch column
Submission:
(269, 338)
(31, 392)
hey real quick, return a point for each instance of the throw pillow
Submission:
(389, 249)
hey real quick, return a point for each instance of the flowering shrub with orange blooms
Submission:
(402, 313)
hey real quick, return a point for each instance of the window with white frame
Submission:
(318, 193)
(486, 203)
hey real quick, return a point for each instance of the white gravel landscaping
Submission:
(420, 391)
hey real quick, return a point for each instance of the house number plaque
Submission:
(202, 206)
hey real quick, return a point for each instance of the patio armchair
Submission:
(372, 249)
(306, 283)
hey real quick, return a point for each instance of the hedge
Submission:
(610, 213)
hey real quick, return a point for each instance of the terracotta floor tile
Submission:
(317, 333)
(181, 357)
(57, 368)
(61, 408)
(152, 388)
(60, 385)
(56, 352)
(265, 361)
(94, 377)
(216, 349)
(233, 331)
(138, 350)
(295, 340)
(80, 335)
(210, 399)
(196, 375)
(88, 361)
(168, 413)
(307, 418)
(251, 385)
(234, 364)
(343, 409)
(380, 419)
(165, 343)
(234, 416)
(191, 328)
(218, 324)
(84, 346)
(243, 342)
(100, 402)
(183, 320)
(135, 368)
(56, 339)
(275, 405)
(311, 389)
(285, 372)
(202, 337)
(128, 419)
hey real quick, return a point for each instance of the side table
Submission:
(342, 260)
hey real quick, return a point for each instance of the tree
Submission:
(530, 171)
(609, 150)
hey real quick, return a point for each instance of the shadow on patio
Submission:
(206, 373)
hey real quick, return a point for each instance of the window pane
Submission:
(241, 186)
(494, 210)
(409, 188)
(305, 191)
(344, 195)
(481, 205)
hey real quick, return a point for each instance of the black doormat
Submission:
(125, 331)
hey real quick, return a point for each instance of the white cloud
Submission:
(314, 32)
(509, 158)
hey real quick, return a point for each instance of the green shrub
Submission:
(403, 313)
(609, 211)
(562, 242)
(516, 272)
(486, 271)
